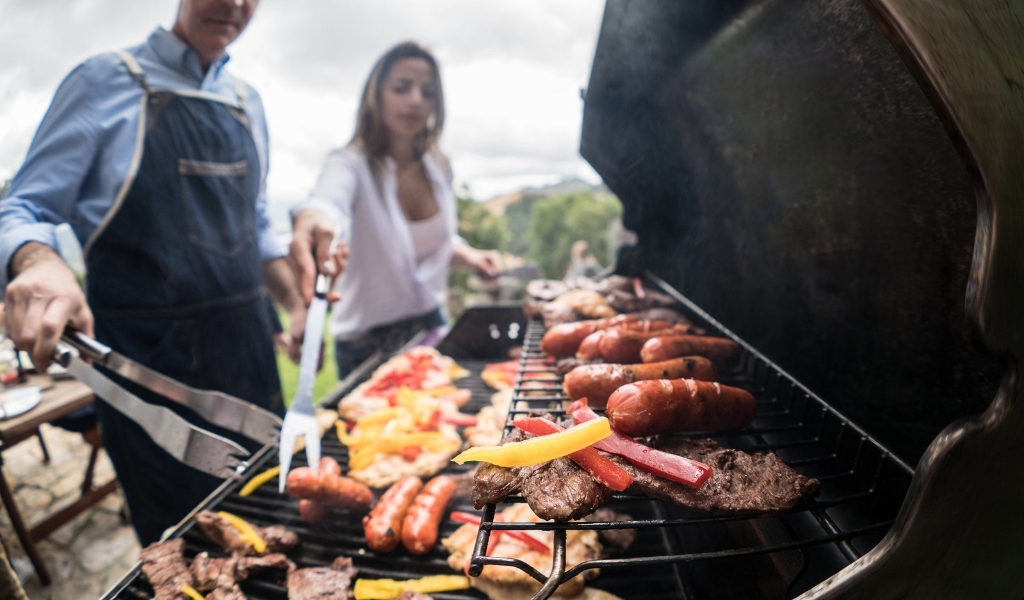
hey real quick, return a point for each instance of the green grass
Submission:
(326, 379)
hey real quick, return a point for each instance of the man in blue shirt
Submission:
(157, 157)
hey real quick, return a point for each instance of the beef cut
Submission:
(323, 583)
(164, 566)
(224, 534)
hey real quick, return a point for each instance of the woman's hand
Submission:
(42, 299)
(313, 237)
(485, 263)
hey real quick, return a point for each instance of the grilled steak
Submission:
(742, 483)
(224, 534)
(615, 539)
(323, 583)
(164, 566)
(222, 575)
(754, 483)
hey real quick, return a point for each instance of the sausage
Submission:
(590, 347)
(420, 527)
(622, 345)
(663, 348)
(328, 487)
(597, 382)
(383, 526)
(677, 406)
(312, 511)
(565, 338)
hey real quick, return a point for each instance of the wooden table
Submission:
(59, 399)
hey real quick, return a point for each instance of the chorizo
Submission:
(661, 348)
(421, 523)
(677, 406)
(597, 382)
(383, 526)
(312, 511)
(564, 339)
(623, 345)
(329, 487)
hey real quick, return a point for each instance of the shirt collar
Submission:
(178, 55)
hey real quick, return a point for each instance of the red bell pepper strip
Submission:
(522, 536)
(600, 468)
(662, 464)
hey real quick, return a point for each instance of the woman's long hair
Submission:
(371, 134)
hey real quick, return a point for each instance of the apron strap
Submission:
(133, 68)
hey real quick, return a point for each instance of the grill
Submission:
(827, 178)
(863, 485)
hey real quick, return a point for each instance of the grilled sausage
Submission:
(420, 527)
(383, 526)
(658, 349)
(597, 382)
(622, 345)
(328, 487)
(312, 511)
(677, 406)
(564, 339)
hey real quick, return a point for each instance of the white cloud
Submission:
(512, 72)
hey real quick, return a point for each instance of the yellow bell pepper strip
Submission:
(191, 592)
(589, 459)
(259, 480)
(385, 589)
(246, 532)
(540, 449)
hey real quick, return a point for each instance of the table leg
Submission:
(19, 528)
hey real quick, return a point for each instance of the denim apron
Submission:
(175, 282)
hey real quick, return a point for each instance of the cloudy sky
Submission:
(512, 71)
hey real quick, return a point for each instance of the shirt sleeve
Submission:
(45, 188)
(335, 191)
(269, 247)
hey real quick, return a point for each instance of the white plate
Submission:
(19, 401)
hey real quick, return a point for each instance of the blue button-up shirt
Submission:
(83, 149)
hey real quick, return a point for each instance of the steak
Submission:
(164, 566)
(323, 583)
(742, 483)
(221, 576)
(224, 534)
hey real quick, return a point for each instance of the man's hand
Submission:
(485, 263)
(311, 247)
(42, 299)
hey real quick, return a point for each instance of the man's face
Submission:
(210, 25)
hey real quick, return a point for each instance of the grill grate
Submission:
(862, 488)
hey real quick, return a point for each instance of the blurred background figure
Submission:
(582, 262)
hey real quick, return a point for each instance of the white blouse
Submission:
(385, 279)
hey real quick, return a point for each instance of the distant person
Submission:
(157, 156)
(389, 195)
(581, 262)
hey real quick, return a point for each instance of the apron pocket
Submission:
(219, 214)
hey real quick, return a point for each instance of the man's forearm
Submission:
(281, 284)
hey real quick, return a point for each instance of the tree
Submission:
(557, 222)
(480, 227)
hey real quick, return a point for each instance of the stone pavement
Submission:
(90, 553)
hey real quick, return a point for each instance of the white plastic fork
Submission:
(299, 420)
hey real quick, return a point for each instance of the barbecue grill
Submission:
(821, 182)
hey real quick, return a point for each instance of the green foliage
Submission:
(517, 220)
(480, 227)
(288, 371)
(556, 223)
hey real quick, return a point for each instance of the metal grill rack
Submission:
(862, 488)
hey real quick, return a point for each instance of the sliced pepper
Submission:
(589, 459)
(662, 464)
(385, 589)
(459, 419)
(522, 536)
(191, 592)
(246, 531)
(259, 480)
(539, 449)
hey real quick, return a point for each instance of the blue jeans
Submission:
(388, 338)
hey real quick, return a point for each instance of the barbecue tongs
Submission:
(191, 445)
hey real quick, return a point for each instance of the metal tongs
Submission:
(189, 444)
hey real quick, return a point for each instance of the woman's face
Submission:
(408, 97)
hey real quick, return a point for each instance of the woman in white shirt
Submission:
(388, 196)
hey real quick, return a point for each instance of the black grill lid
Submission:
(783, 169)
